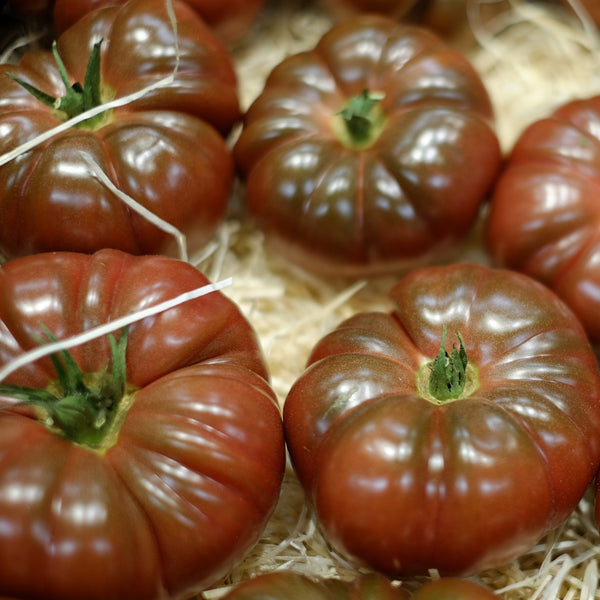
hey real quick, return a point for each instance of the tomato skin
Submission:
(405, 485)
(229, 19)
(166, 150)
(445, 17)
(452, 588)
(288, 585)
(408, 199)
(347, 8)
(544, 208)
(195, 472)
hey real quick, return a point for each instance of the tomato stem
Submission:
(448, 371)
(77, 406)
(78, 98)
(363, 120)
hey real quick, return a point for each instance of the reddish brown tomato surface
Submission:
(446, 17)
(406, 482)
(406, 190)
(391, 8)
(287, 585)
(182, 485)
(229, 19)
(165, 150)
(545, 216)
(452, 588)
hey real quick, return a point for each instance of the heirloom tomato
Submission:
(166, 149)
(446, 17)
(544, 218)
(453, 588)
(349, 8)
(416, 457)
(287, 585)
(370, 153)
(142, 468)
(229, 19)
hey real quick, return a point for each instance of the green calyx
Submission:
(85, 408)
(361, 121)
(448, 371)
(449, 376)
(78, 98)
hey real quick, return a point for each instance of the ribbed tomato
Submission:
(544, 218)
(446, 17)
(370, 153)
(288, 585)
(418, 457)
(165, 150)
(229, 19)
(141, 472)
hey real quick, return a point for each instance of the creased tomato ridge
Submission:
(106, 328)
(144, 212)
(141, 210)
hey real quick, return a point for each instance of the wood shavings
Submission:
(533, 58)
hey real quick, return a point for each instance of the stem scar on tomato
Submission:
(449, 376)
(78, 98)
(360, 122)
(85, 408)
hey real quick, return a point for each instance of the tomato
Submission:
(416, 458)
(544, 211)
(446, 17)
(165, 150)
(229, 19)
(391, 8)
(370, 153)
(452, 588)
(288, 585)
(152, 488)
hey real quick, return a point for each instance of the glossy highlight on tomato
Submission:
(166, 150)
(544, 214)
(229, 19)
(405, 480)
(371, 153)
(180, 485)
